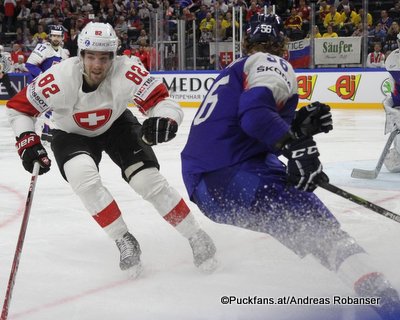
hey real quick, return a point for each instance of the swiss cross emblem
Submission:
(225, 58)
(92, 120)
(97, 32)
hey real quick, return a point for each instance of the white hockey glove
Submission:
(157, 130)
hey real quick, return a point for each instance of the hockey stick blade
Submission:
(20, 243)
(364, 174)
(360, 201)
(373, 174)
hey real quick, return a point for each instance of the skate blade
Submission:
(209, 266)
(135, 271)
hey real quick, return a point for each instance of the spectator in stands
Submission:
(391, 37)
(134, 24)
(253, 10)
(329, 32)
(86, 6)
(9, 15)
(358, 31)
(342, 4)
(394, 12)
(219, 30)
(19, 66)
(385, 20)
(121, 25)
(144, 13)
(30, 43)
(23, 16)
(359, 18)
(377, 34)
(304, 10)
(143, 37)
(227, 24)
(333, 18)
(72, 43)
(143, 55)
(36, 10)
(208, 23)
(15, 52)
(206, 36)
(376, 59)
(127, 52)
(40, 35)
(322, 12)
(348, 26)
(317, 34)
(202, 13)
(221, 6)
(125, 43)
(293, 26)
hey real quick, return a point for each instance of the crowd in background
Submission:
(24, 23)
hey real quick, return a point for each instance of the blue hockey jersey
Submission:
(247, 110)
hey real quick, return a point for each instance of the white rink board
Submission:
(353, 88)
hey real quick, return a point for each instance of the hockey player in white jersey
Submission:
(88, 96)
(392, 108)
(42, 58)
(5, 68)
(47, 54)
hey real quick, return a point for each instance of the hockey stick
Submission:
(359, 200)
(20, 243)
(372, 174)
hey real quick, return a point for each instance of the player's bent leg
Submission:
(83, 176)
(299, 220)
(153, 187)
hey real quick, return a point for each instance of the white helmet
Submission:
(97, 36)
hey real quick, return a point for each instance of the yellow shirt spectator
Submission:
(227, 24)
(329, 33)
(207, 23)
(334, 19)
(358, 18)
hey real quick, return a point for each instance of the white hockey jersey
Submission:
(43, 57)
(90, 114)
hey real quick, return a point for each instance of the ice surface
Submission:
(69, 267)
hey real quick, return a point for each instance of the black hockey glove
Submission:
(312, 119)
(30, 150)
(157, 130)
(304, 168)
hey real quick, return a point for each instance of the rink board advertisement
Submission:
(352, 88)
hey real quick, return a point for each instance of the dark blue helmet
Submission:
(56, 30)
(265, 28)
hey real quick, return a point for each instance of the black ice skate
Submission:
(203, 251)
(376, 286)
(130, 254)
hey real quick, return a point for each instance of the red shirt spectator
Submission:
(16, 51)
(254, 9)
(144, 56)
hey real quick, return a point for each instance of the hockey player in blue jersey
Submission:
(232, 172)
(42, 58)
